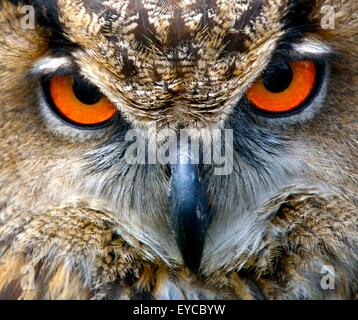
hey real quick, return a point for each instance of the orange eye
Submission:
(79, 102)
(284, 88)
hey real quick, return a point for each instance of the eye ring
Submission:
(63, 97)
(305, 102)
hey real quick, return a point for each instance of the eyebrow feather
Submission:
(312, 47)
(49, 65)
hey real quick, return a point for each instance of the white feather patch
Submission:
(47, 65)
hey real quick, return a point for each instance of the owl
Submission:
(178, 149)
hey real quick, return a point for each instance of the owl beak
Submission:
(189, 212)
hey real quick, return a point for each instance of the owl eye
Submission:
(78, 102)
(285, 88)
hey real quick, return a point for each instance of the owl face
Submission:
(264, 73)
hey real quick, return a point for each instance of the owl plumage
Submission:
(90, 226)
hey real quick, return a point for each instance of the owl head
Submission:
(121, 107)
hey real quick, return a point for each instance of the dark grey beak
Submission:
(189, 211)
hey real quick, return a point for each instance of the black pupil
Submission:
(278, 78)
(85, 92)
